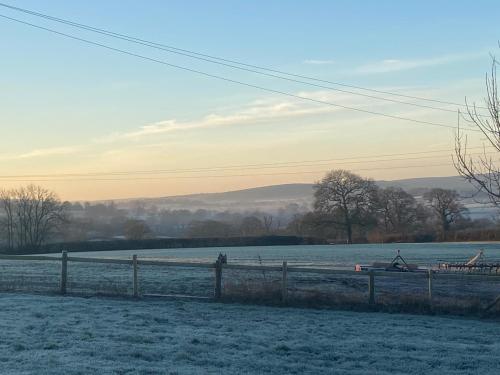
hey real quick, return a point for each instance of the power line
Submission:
(229, 63)
(285, 164)
(199, 72)
(223, 62)
(297, 164)
(222, 176)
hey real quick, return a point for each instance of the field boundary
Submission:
(219, 267)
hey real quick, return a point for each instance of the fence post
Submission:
(430, 287)
(371, 288)
(64, 271)
(218, 280)
(284, 285)
(136, 280)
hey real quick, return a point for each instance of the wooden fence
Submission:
(219, 268)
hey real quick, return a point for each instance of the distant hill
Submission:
(264, 193)
(417, 186)
(274, 197)
(266, 198)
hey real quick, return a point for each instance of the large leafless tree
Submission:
(446, 206)
(398, 210)
(30, 215)
(346, 198)
(482, 171)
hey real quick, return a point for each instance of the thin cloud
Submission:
(43, 152)
(253, 114)
(396, 65)
(319, 62)
(269, 109)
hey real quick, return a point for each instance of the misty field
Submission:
(341, 256)
(71, 335)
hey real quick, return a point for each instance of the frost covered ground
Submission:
(71, 335)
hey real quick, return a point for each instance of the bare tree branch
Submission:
(483, 171)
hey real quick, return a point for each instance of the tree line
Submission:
(141, 220)
(32, 216)
(349, 208)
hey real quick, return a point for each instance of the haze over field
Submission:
(275, 197)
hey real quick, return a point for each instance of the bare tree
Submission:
(136, 229)
(32, 214)
(251, 226)
(347, 198)
(483, 170)
(398, 210)
(268, 223)
(7, 219)
(446, 206)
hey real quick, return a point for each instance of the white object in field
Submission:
(472, 261)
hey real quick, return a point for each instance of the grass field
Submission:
(71, 335)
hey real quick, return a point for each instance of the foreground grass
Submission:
(68, 335)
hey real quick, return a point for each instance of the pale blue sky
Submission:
(68, 107)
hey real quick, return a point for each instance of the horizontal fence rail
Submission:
(29, 257)
(248, 267)
(219, 267)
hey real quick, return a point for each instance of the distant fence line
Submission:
(168, 243)
(219, 267)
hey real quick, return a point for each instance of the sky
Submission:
(94, 124)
